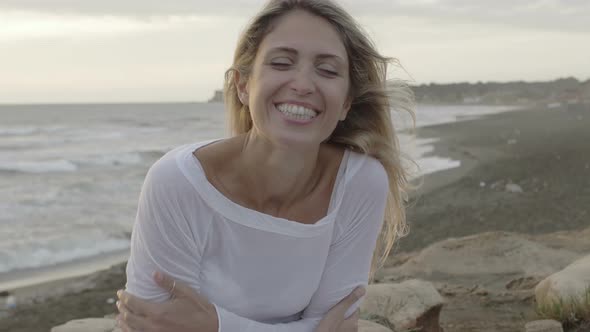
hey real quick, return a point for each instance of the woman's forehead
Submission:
(302, 32)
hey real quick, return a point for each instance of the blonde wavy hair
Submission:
(367, 129)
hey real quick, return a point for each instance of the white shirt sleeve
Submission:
(163, 239)
(349, 258)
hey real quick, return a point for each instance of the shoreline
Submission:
(35, 284)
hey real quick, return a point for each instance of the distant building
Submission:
(472, 100)
(570, 97)
(585, 92)
(217, 97)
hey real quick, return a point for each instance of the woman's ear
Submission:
(242, 87)
(346, 108)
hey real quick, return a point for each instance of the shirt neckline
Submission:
(194, 171)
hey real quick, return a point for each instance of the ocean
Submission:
(70, 175)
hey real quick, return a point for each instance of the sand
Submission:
(545, 152)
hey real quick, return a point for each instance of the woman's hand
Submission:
(186, 311)
(334, 320)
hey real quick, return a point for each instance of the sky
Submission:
(68, 51)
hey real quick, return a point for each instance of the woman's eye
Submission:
(280, 63)
(328, 71)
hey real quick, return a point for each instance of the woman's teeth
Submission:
(297, 112)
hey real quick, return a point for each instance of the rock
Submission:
(368, 326)
(568, 285)
(479, 290)
(513, 188)
(572, 240)
(407, 305)
(490, 259)
(546, 325)
(10, 302)
(108, 325)
(88, 325)
(523, 283)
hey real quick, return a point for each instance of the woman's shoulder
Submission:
(176, 166)
(365, 168)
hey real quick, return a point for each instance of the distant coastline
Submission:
(217, 97)
(560, 92)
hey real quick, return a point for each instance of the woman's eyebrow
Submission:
(295, 52)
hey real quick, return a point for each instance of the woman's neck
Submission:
(277, 176)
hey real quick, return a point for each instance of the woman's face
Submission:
(298, 87)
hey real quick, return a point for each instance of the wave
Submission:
(73, 165)
(19, 131)
(49, 166)
(30, 130)
(121, 159)
(63, 251)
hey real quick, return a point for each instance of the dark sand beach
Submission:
(545, 152)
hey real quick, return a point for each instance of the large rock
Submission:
(572, 240)
(407, 305)
(368, 326)
(545, 325)
(88, 325)
(568, 285)
(108, 325)
(492, 258)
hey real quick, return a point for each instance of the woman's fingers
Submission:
(350, 324)
(348, 301)
(354, 317)
(130, 320)
(334, 318)
(135, 304)
(175, 288)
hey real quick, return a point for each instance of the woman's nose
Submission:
(303, 83)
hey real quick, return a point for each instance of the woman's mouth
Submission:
(296, 112)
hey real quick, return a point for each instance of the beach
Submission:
(543, 152)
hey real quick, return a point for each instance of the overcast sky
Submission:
(153, 50)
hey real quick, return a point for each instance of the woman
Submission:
(274, 228)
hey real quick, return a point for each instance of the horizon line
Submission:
(45, 103)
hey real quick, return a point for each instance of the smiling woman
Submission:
(280, 226)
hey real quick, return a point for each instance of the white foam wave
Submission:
(420, 150)
(73, 164)
(30, 130)
(62, 251)
(120, 159)
(18, 131)
(434, 164)
(116, 159)
(428, 115)
(48, 166)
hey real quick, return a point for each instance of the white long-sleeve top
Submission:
(262, 273)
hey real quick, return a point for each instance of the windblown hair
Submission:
(368, 127)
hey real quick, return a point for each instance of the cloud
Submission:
(557, 15)
(134, 8)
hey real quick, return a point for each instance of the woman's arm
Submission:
(163, 239)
